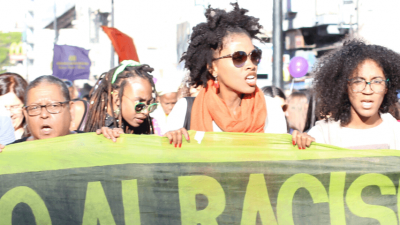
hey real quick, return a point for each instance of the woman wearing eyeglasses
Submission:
(123, 98)
(222, 57)
(356, 85)
(12, 95)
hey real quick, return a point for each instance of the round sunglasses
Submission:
(239, 58)
(140, 107)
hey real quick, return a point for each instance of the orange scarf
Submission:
(209, 107)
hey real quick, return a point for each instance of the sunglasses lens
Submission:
(256, 56)
(239, 58)
(152, 108)
(139, 107)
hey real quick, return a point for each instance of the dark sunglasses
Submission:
(239, 58)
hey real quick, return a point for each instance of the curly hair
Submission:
(101, 98)
(208, 37)
(333, 70)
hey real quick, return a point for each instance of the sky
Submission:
(11, 12)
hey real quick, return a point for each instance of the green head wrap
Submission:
(122, 67)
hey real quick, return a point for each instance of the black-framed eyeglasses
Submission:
(239, 58)
(53, 108)
(359, 84)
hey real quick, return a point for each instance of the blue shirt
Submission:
(6, 128)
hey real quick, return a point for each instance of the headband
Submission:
(122, 67)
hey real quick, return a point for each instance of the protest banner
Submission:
(230, 178)
(71, 62)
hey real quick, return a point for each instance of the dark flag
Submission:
(123, 44)
(71, 62)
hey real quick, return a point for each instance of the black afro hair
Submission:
(333, 70)
(208, 37)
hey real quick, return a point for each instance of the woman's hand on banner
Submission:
(302, 140)
(175, 136)
(109, 133)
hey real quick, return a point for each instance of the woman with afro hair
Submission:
(222, 58)
(356, 85)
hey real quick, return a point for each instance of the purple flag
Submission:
(70, 62)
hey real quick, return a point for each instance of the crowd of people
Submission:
(353, 103)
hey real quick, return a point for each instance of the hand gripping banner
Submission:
(230, 178)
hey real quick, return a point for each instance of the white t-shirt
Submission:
(6, 128)
(383, 136)
(274, 123)
(159, 120)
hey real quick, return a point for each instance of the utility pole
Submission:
(112, 25)
(277, 42)
(358, 16)
(55, 24)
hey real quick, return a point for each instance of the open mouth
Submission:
(46, 129)
(367, 104)
(251, 80)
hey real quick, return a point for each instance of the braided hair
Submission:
(208, 37)
(101, 99)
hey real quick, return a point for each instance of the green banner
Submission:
(230, 178)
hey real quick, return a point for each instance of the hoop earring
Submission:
(216, 84)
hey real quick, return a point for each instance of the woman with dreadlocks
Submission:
(123, 99)
(356, 87)
(222, 57)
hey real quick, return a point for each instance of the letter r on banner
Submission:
(189, 187)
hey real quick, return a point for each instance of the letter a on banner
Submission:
(96, 206)
(189, 187)
(257, 200)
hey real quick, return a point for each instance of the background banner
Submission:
(71, 62)
(230, 178)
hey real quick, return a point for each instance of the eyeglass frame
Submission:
(368, 83)
(136, 102)
(45, 106)
(247, 55)
(13, 108)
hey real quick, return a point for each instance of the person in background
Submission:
(297, 110)
(12, 96)
(276, 93)
(81, 108)
(73, 92)
(81, 114)
(167, 97)
(356, 86)
(84, 92)
(123, 98)
(48, 110)
(222, 58)
(184, 87)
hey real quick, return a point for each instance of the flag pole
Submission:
(112, 25)
(55, 24)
